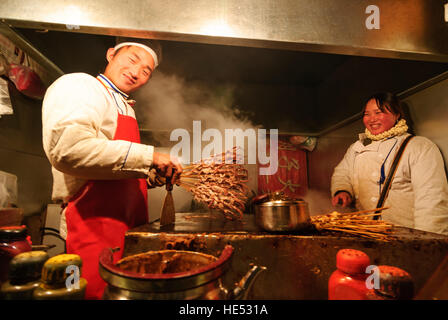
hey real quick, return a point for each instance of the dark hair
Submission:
(388, 101)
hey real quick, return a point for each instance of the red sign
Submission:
(291, 176)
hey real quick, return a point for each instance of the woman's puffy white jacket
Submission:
(418, 197)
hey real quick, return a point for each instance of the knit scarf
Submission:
(400, 128)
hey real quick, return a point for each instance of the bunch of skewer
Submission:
(358, 223)
(219, 182)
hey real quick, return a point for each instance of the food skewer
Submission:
(357, 223)
(219, 182)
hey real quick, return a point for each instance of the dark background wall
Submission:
(21, 154)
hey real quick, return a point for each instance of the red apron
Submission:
(102, 211)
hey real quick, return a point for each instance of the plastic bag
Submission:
(26, 81)
(5, 100)
(8, 189)
(3, 196)
(307, 143)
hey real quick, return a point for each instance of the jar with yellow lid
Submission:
(61, 279)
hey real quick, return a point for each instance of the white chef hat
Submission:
(153, 47)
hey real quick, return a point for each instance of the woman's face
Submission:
(378, 121)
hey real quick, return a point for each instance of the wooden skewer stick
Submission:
(186, 187)
(361, 212)
(186, 184)
(188, 180)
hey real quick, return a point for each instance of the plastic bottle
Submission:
(348, 282)
(13, 240)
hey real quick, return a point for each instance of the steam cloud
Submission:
(169, 102)
(319, 202)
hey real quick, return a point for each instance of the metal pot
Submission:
(282, 215)
(190, 275)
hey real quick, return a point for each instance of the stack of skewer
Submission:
(219, 182)
(358, 223)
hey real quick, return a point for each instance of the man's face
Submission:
(129, 68)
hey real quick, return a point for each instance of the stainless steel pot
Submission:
(282, 215)
(189, 275)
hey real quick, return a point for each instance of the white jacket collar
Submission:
(363, 143)
(109, 84)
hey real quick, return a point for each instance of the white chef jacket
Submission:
(79, 120)
(418, 197)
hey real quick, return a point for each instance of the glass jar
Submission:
(13, 240)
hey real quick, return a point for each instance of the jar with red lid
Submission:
(394, 284)
(348, 282)
(13, 240)
(25, 271)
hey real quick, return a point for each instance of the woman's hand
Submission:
(343, 198)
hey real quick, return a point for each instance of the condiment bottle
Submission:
(348, 282)
(12, 242)
(61, 279)
(394, 284)
(25, 270)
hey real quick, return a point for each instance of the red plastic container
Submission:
(348, 282)
(13, 240)
(395, 284)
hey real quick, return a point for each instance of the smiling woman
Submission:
(383, 117)
(418, 195)
(381, 113)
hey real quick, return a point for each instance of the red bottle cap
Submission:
(352, 261)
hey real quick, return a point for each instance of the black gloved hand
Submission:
(154, 179)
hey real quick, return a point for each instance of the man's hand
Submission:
(343, 198)
(167, 166)
(154, 180)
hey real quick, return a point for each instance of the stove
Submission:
(298, 264)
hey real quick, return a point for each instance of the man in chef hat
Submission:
(100, 169)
